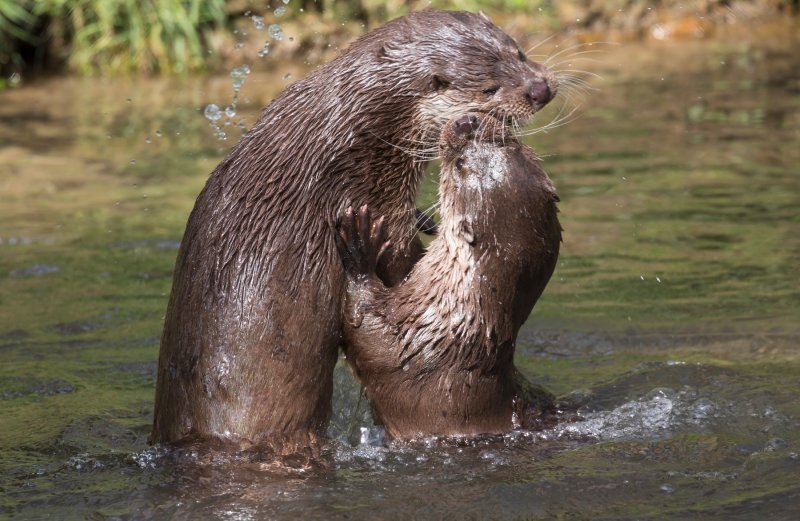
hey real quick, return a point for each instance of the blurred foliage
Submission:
(16, 21)
(109, 36)
(133, 35)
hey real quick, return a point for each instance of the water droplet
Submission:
(212, 112)
(147, 140)
(158, 133)
(287, 76)
(264, 50)
(285, 1)
(15, 79)
(280, 11)
(258, 21)
(275, 32)
(667, 488)
(230, 111)
(238, 75)
(133, 161)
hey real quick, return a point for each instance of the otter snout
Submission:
(538, 93)
(466, 125)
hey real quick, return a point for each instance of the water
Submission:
(672, 317)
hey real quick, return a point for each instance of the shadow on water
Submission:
(672, 316)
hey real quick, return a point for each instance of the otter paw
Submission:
(361, 241)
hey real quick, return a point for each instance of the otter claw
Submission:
(466, 124)
(361, 241)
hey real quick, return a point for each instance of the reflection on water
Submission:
(671, 317)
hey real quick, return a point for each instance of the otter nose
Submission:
(466, 124)
(539, 93)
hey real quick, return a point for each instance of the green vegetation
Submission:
(15, 25)
(128, 35)
(109, 36)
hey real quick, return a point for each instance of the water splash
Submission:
(258, 22)
(213, 114)
(660, 413)
(239, 75)
(275, 32)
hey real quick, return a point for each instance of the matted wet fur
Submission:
(253, 323)
(435, 353)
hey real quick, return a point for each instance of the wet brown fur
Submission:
(435, 353)
(253, 323)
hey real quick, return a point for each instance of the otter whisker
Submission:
(537, 45)
(579, 71)
(574, 88)
(432, 209)
(574, 80)
(578, 46)
(560, 119)
(571, 116)
(419, 155)
(575, 58)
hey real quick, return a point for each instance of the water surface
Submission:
(672, 314)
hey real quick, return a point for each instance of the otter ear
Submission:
(467, 232)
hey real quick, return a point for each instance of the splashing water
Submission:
(212, 112)
(275, 32)
(239, 75)
(258, 22)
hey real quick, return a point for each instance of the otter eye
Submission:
(440, 83)
(491, 91)
(459, 164)
(521, 55)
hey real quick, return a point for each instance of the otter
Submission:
(253, 324)
(435, 352)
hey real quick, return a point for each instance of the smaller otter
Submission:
(435, 353)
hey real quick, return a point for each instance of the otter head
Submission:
(491, 185)
(464, 63)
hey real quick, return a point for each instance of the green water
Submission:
(673, 312)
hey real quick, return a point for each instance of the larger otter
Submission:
(253, 323)
(435, 353)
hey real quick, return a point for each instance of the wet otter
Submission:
(435, 353)
(253, 323)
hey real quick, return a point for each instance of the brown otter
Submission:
(435, 353)
(253, 324)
